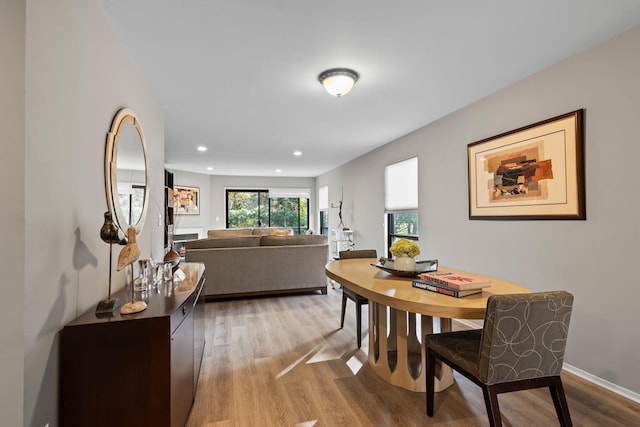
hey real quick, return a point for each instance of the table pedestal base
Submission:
(395, 353)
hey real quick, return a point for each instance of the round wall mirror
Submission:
(127, 171)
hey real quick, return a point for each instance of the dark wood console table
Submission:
(137, 369)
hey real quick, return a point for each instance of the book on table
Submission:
(461, 282)
(444, 290)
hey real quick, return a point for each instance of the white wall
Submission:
(595, 259)
(212, 195)
(78, 74)
(12, 170)
(361, 188)
(200, 222)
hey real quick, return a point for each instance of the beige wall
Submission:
(12, 170)
(78, 75)
(595, 259)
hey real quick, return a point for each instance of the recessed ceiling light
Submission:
(210, 168)
(278, 170)
(202, 148)
(297, 153)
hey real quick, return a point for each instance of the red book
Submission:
(455, 280)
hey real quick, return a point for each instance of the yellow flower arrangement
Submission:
(405, 247)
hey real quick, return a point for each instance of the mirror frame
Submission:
(123, 117)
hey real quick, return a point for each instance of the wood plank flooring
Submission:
(283, 361)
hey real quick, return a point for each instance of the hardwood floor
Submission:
(283, 361)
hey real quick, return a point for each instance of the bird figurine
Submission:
(109, 230)
(130, 252)
(128, 255)
(108, 234)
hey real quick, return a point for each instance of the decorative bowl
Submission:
(386, 264)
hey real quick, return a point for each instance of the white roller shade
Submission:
(323, 197)
(401, 185)
(288, 193)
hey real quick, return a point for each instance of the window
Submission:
(324, 223)
(265, 208)
(401, 225)
(401, 200)
(131, 201)
(247, 208)
(323, 207)
(289, 212)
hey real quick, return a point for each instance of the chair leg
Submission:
(344, 306)
(560, 402)
(491, 402)
(359, 323)
(430, 361)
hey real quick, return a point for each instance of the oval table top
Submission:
(360, 276)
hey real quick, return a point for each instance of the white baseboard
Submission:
(631, 395)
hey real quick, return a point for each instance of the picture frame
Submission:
(186, 200)
(532, 173)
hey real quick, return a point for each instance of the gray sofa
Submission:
(253, 264)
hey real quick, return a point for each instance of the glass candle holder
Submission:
(142, 283)
(167, 272)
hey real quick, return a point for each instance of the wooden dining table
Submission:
(401, 315)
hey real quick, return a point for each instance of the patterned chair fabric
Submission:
(522, 341)
(524, 336)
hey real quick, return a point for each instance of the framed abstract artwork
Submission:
(535, 172)
(186, 200)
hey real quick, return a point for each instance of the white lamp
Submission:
(338, 81)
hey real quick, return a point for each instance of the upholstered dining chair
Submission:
(521, 346)
(359, 300)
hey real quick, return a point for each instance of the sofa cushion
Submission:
(224, 242)
(229, 232)
(303, 239)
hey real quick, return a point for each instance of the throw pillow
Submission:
(277, 232)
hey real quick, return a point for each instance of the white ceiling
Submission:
(240, 76)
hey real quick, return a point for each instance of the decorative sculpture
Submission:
(339, 206)
(171, 256)
(109, 234)
(128, 255)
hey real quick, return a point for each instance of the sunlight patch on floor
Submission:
(307, 423)
(294, 364)
(325, 354)
(358, 360)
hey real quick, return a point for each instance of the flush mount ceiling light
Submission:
(338, 81)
